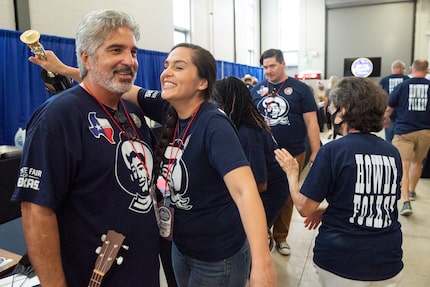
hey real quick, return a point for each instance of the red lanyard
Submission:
(278, 88)
(121, 129)
(171, 160)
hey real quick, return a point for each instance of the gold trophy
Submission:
(54, 82)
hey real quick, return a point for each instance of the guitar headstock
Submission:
(112, 242)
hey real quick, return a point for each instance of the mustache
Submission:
(125, 69)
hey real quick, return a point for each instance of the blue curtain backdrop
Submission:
(22, 90)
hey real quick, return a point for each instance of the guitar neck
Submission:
(96, 279)
(107, 253)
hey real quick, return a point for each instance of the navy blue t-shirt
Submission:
(360, 237)
(284, 113)
(388, 83)
(411, 99)
(205, 213)
(76, 161)
(259, 146)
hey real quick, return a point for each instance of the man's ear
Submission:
(85, 59)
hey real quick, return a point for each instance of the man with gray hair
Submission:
(76, 181)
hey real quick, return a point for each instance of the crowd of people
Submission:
(218, 185)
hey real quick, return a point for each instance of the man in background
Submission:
(294, 120)
(388, 83)
(412, 132)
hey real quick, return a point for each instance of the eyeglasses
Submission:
(122, 121)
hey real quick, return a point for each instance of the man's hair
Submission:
(364, 102)
(420, 65)
(96, 27)
(397, 65)
(272, 53)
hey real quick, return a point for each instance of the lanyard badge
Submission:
(165, 211)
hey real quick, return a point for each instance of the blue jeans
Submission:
(229, 272)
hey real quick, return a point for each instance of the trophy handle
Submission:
(54, 82)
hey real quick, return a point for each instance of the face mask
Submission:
(337, 126)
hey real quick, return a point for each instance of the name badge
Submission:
(165, 215)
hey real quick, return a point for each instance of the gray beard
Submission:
(108, 81)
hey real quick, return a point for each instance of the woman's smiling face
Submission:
(180, 79)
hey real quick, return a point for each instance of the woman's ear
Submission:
(203, 85)
(338, 115)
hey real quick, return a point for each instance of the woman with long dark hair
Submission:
(258, 144)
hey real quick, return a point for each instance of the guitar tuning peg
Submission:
(103, 237)
(119, 260)
(98, 249)
(126, 247)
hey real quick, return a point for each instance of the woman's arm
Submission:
(53, 64)
(43, 243)
(242, 187)
(304, 205)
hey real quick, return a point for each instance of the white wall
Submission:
(270, 36)
(60, 18)
(312, 36)
(202, 26)
(223, 29)
(312, 29)
(242, 30)
(351, 35)
(422, 30)
(312, 32)
(7, 15)
(212, 25)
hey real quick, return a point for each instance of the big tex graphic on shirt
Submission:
(136, 157)
(274, 108)
(175, 170)
(132, 156)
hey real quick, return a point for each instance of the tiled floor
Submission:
(297, 270)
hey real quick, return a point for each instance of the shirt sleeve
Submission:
(45, 171)
(223, 145)
(153, 106)
(394, 96)
(254, 149)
